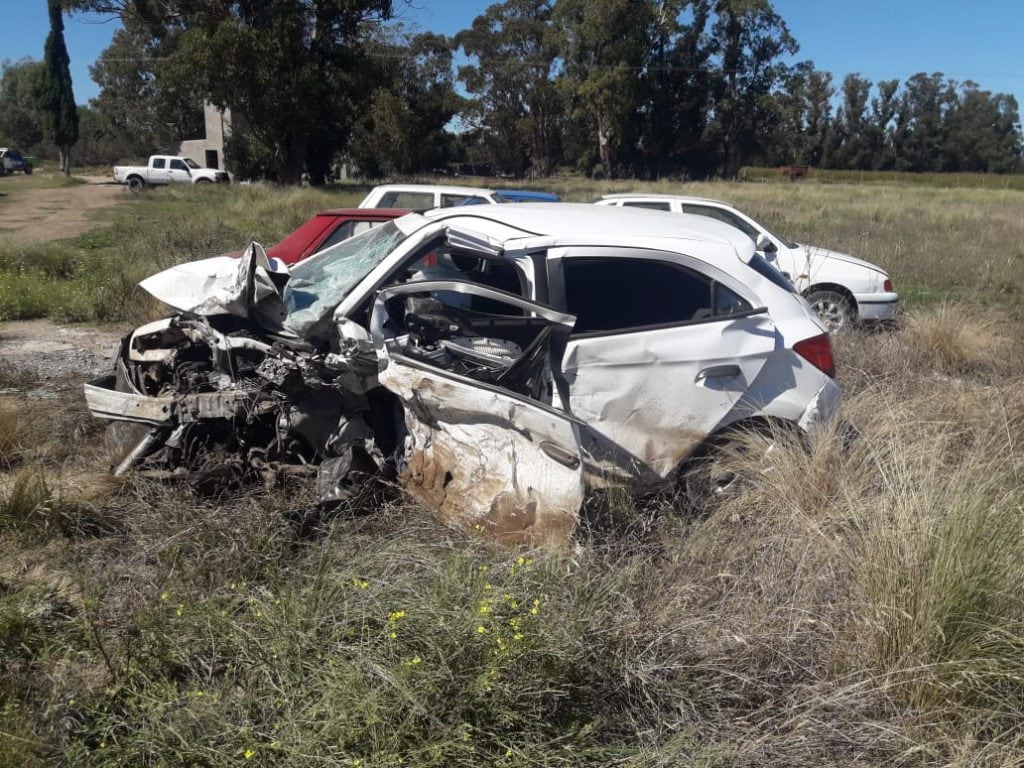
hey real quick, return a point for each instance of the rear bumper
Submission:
(823, 406)
(876, 307)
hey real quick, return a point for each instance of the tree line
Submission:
(639, 88)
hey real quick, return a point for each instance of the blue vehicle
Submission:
(527, 196)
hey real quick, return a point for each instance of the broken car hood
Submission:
(251, 287)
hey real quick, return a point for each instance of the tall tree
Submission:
(853, 150)
(21, 121)
(402, 128)
(805, 117)
(287, 69)
(924, 105)
(56, 95)
(517, 106)
(752, 39)
(678, 89)
(605, 46)
(982, 133)
(143, 108)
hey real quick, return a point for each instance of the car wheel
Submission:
(28, 170)
(833, 308)
(203, 181)
(135, 184)
(710, 477)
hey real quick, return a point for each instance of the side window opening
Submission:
(177, 165)
(652, 205)
(728, 302)
(159, 162)
(345, 231)
(418, 201)
(724, 216)
(618, 294)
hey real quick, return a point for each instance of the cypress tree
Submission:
(57, 99)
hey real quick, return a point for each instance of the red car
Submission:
(327, 228)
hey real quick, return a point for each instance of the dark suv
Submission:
(11, 160)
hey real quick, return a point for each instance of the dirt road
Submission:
(49, 355)
(34, 215)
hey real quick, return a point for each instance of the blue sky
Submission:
(881, 39)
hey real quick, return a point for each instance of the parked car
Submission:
(328, 228)
(841, 288)
(12, 161)
(422, 197)
(167, 169)
(527, 196)
(498, 362)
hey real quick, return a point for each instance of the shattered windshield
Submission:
(319, 283)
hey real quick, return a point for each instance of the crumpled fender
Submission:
(251, 287)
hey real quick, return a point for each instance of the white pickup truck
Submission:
(167, 169)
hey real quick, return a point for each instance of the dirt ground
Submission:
(53, 356)
(35, 215)
(49, 355)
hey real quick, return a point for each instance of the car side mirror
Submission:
(766, 245)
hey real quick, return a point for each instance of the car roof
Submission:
(594, 225)
(663, 196)
(392, 213)
(443, 188)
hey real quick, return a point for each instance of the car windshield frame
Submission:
(321, 282)
(191, 163)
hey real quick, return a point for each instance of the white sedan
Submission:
(841, 288)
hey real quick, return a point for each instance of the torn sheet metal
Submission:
(249, 287)
(486, 462)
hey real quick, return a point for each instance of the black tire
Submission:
(136, 184)
(203, 181)
(835, 310)
(706, 480)
(28, 170)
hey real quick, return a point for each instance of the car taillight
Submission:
(887, 285)
(817, 350)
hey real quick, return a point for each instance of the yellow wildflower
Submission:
(249, 754)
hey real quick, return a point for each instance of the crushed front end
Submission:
(215, 402)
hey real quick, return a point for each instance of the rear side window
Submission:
(159, 162)
(345, 231)
(766, 270)
(720, 214)
(654, 206)
(415, 200)
(624, 294)
(450, 201)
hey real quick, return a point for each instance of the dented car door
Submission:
(484, 446)
(661, 357)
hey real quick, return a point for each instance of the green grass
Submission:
(937, 243)
(18, 181)
(853, 604)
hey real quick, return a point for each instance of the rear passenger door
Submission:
(662, 353)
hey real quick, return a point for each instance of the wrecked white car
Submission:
(498, 361)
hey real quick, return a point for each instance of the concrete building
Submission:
(209, 151)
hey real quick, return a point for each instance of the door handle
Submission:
(559, 454)
(719, 372)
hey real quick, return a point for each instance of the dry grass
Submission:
(857, 603)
